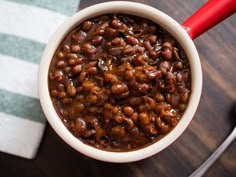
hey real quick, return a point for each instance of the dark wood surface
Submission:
(213, 121)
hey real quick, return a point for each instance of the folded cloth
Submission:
(26, 26)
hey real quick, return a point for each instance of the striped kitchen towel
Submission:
(25, 28)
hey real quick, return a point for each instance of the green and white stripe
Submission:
(26, 26)
(29, 22)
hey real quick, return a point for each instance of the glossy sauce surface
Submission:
(119, 82)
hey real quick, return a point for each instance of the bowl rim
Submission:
(141, 10)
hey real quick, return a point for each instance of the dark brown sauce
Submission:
(119, 82)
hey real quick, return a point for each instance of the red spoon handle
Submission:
(210, 14)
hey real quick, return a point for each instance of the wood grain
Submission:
(212, 122)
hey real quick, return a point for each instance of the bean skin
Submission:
(167, 54)
(60, 64)
(87, 25)
(131, 40)
(80, 126)
(54, 93)
(75, 48)
(119, 88)
(71, 90)
(60, 55)
(97, 40)
(165, 67)
(77, 69)
(118, 131)
(144, 118)
(128, 111)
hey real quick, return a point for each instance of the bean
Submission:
(147, 45)
(163, 127)
(176, 54)
(109, 77)
(79, 106)
(115, 110)
(115, 23)
(149, 102)
(60, 55)
(79, 37)
(66, 48)
(67, 70)
(82, 76)
(79, 60)
(92, 98)
(165, 67)
(108, 106)
(140, 60)
(124, 94)
(62, 94)
(124, 27)
(154, 55)
(110, 32)
(167, 45)
(97, 40)
(67, 101)
(178, 77)
(174, 99)
(79, 98)
(80, 125)
(185, 76)
(152, 39)
(116, 41)
(60, 87)
(60, 64)
(151, 129)
(151, 74)
(77, 69)
(88, 48)
(134, 117)
(135, 100)
(167, 54)
(87, 85)
(144, 118)
(92, 70)
(54, 93)
(92, 63)
(87, 25)
(129, 75)
(58, 75)
(75, 48)
(71, 90)
(185, 96)
(131, 40)
(101, 28)
(143, 88)
(182, 107)
(72, 62)
(128, 51)
(119, 88)
(79, 89)
(128, 111)
(118, 131)
(71, 55)
(159, 97)
(115, 51)
(129, 122)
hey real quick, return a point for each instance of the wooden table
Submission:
(212, 122)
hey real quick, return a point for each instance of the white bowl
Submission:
(134, 9)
